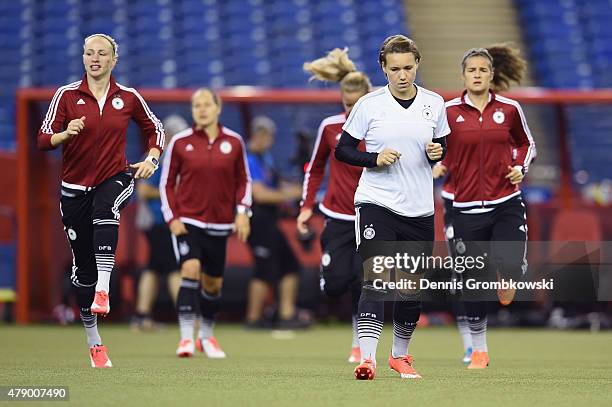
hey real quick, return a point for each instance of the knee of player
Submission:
(104, 213)
(212, 285)
(335, 288)
(191, 269)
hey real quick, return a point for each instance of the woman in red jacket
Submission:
(340, 264)
(89, 120)
(205, 189)
(490, 150)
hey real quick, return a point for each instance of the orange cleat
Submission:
(185, 348)
(210, 346)
(355, 355)
(100, 304)
(99, 357)
(366, 370)
(480, 360)
(506, 296)
(403, 366)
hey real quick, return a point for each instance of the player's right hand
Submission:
(438, 171)
(387, 157)
(74, 127)
(302, 220)
(177, 227)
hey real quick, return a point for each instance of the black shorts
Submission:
(384, 233)
(380, 224)
(199, 244)
(274, 257)
(340, 263)
(81, 211)
(505, 228)
(162, 258)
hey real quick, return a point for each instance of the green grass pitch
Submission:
(528, 367)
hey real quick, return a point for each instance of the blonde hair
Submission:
(336, 66)
(108, 38)
(215, 95)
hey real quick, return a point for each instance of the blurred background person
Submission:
(162, 261)
(276, 265)
(340, 263)
(205, 190)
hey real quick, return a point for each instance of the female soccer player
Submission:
(492, 149)
(340, 264)
(205, 190)
(96, 184)
(394, 199)
(448, 194)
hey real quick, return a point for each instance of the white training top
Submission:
(405, 187)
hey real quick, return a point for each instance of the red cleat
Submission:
(366, 370)
(185, 348)
(101, 304)
(99, 357)
(355, 355)
(480, 360)
(403, 366)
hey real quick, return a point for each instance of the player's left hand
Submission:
(434, 151)
(144, 169)
(515, 175)
(243, 226)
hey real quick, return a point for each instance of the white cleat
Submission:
(185, 348)
(210, 347)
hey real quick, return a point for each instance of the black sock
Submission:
(188, 306)
(405, 317)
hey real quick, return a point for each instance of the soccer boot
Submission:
(185, 348)
(99, 357)
(355, 355)
(100, 304)
(467, 356)
(210, 347)
(480, 360)
(366, 370)
(403, 366)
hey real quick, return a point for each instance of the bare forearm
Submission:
(154, 152)
(58, 138)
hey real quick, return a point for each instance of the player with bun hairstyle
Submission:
(340, 264)
(490, 151)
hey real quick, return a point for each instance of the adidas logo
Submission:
(460, 119)
(189, 147)
(81, 102)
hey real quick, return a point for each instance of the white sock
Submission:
(355, 334)
(369, 333)
(464, 331)
(478, 328)
(402, 333)
(206, 328)
(105, 263)
(186, 325)
(90, 322)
